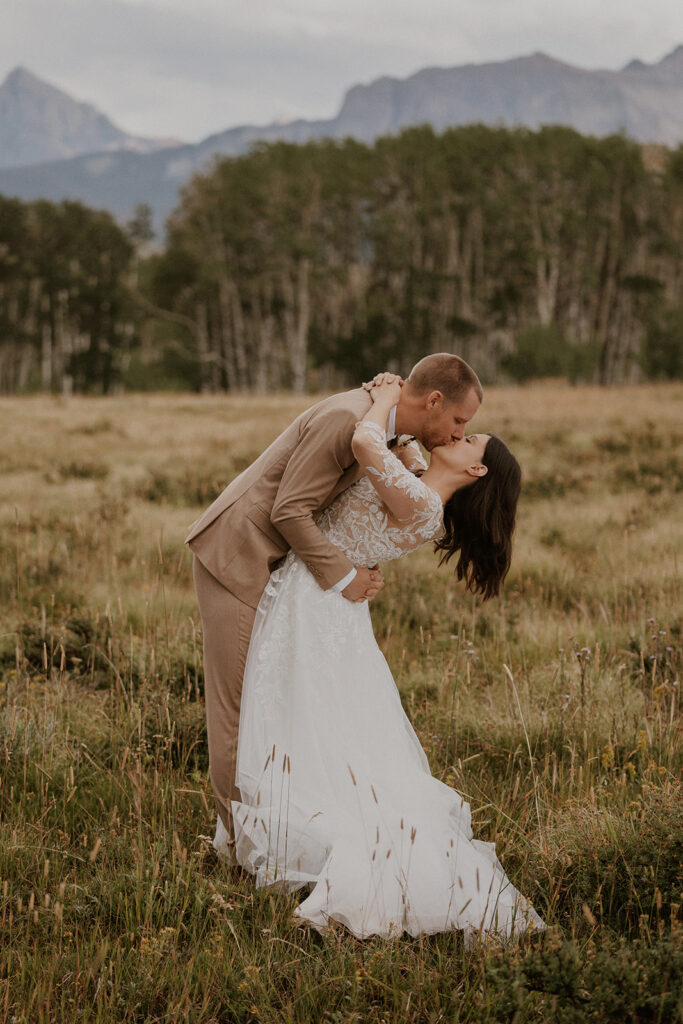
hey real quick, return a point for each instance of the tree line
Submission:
(529, 253)
(66, 315)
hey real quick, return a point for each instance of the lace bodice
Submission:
(388, 512)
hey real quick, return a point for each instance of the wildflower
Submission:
(588, 914)
(221, 902)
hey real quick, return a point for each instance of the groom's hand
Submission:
(366, 584)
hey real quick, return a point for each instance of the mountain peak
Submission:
(543, 58)
(672, 63)
(19, 74)
(24, 87)
(21, 78)
(673, 59)
(40, 122)
(539, 59)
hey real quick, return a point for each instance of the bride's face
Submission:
(464, 456)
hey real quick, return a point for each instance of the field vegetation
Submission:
(555, 711)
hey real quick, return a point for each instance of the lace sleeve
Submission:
(404, 495)
(410, 455)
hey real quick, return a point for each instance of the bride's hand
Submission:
(382, 378)
(387, 390)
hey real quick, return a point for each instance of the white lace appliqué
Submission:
(359, 523)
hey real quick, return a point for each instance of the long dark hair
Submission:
(480, 520)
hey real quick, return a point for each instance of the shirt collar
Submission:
(391, 424)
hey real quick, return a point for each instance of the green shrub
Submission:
(611, 980)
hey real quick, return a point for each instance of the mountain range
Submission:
(65, 149)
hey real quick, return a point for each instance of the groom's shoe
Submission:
(223, 846)
(227, 854)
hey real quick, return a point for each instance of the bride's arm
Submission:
(408, 452)
(400, 490)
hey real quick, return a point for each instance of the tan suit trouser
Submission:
(227, 624)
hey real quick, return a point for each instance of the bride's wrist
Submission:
(383, 405)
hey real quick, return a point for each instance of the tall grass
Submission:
(554, 710)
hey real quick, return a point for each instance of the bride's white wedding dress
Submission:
(336, 789)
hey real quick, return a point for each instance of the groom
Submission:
(272, 506)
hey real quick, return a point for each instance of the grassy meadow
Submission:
(555, 711)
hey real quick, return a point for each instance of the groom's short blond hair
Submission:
(447, 373)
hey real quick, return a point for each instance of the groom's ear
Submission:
(434, 400)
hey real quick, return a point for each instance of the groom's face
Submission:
(446, 421)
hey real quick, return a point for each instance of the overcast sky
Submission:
(187, 68)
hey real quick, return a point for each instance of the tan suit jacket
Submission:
(271, 506)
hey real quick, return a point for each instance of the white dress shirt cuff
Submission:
(345, 582)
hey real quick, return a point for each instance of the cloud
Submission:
(163, 67)
(179, 72)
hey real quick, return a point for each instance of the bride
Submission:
(337, 794)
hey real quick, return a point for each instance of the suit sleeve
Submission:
(320, 458)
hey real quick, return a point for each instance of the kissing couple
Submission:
(319, 778)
